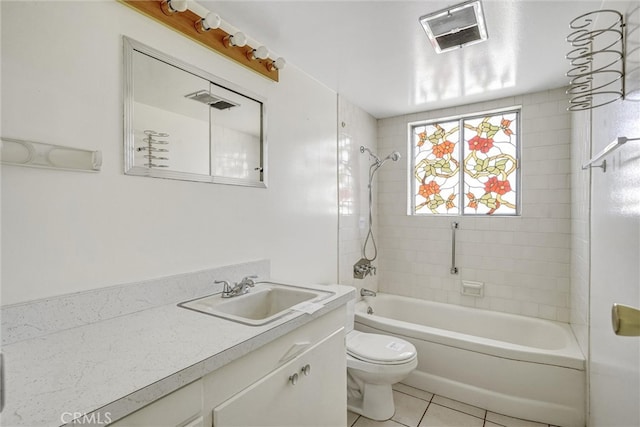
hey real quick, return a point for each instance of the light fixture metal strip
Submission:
(185, 23)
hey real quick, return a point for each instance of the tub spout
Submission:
(367, 293)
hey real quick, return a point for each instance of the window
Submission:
(467, 165)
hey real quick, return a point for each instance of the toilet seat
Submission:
(379, 349)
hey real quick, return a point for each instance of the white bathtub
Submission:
(515, 365)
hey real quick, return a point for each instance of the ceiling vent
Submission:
(455, 26)
(206, 98)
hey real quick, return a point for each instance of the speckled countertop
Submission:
(121, 364)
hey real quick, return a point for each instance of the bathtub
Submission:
(515, 365)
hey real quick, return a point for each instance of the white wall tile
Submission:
(521, 260)
(580, 197)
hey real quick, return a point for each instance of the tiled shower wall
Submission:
(355, 128)
(580, 234)
(524, 261)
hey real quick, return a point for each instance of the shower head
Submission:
(395, 156)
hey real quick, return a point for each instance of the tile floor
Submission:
(417, 408)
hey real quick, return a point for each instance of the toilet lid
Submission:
(376, 348)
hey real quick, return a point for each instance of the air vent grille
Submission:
(455, 27)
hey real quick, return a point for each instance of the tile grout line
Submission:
(407, 394)
(356, 420)
(430, 403)
(462, 412)
(426, 409)
(423, 414)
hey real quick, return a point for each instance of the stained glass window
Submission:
(437, 166)
(466, 166)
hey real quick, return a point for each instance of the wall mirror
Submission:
(181, 122)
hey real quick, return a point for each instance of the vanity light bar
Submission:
(207, 28)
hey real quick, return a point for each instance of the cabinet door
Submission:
(318, 398)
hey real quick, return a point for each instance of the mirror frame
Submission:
(130, 47)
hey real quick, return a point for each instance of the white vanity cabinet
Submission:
(307, 391)
(259, 389)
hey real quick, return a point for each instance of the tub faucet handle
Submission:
(363, 268)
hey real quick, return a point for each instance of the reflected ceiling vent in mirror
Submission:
(205, 97)
(455, 26)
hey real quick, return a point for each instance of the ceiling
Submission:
(376, 54)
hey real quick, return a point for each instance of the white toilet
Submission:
(374, 363)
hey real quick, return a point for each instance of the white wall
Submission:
(64, 232)
(614, 361)
(355, 128)
(523, 261)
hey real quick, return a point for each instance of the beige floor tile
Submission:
(439, 416)
(490, 424)
(459, 406)
(506, 421)
(420, 394)
(366, 422)
(351, 418)
(409, 409)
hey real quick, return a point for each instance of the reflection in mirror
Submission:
(184, 123)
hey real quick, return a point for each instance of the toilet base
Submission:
(376, 402)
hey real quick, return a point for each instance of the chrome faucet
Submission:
(367, 293)
(363, 268)
(239, 288)
(246, 283)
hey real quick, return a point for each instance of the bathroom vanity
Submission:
(296, 380)
(165, 365)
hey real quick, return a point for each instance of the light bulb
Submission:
(238, 39)
(260, 53)
(209, 22)
(278, 64)
(213, 21)
(170, 7)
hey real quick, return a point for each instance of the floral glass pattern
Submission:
(437, 166)
(475, 175)
(490, 162)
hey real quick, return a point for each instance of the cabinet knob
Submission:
(293, 379)
(306, 369)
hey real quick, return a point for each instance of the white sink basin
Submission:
(264, 303)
